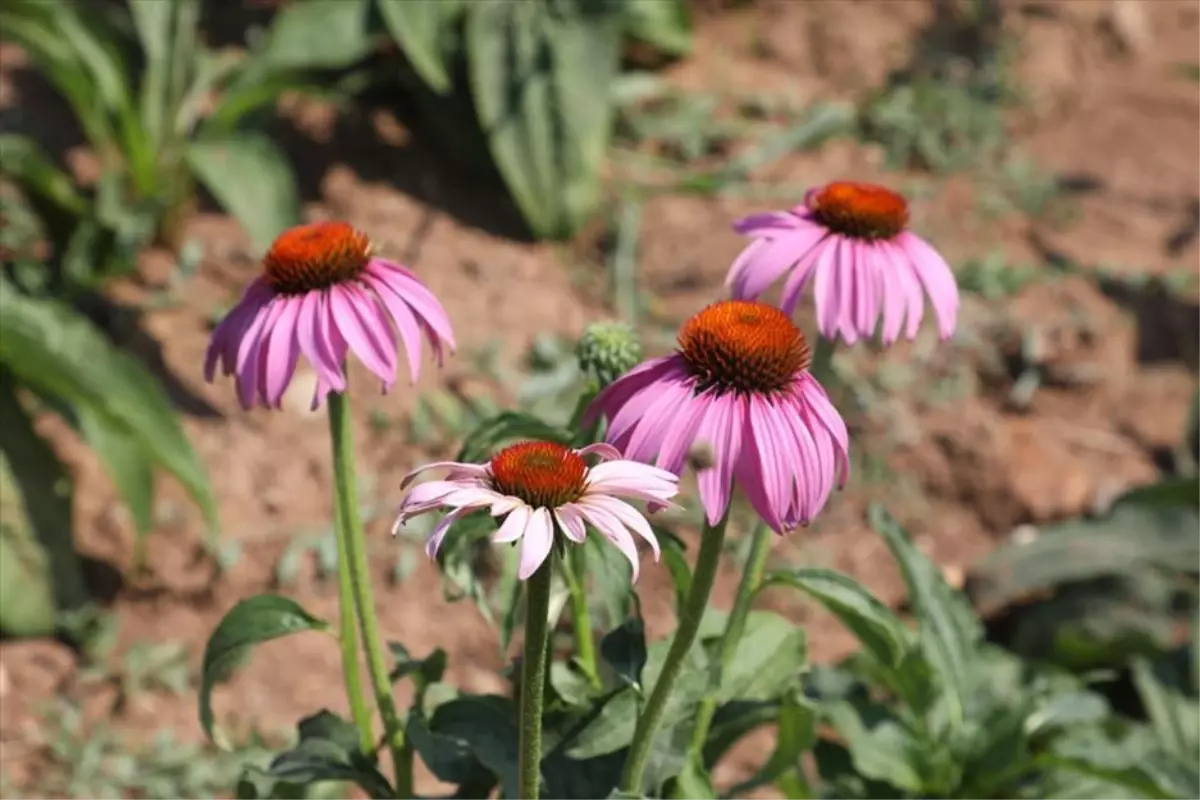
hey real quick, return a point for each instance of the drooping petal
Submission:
(610, 528)
(281, 352)
(617, 394)
(434, 542)
(602, 450)
(825, 288)
(423, 302)
(250, 350)
(721, 428)
(405, 321)
(346, 319)
(475, 470)
(514, 525)
(228, 335)
(628, 517)
(772, 261)
(937, 278)
(682, 431)
(569, 519)
(766, 223)
(536, 543)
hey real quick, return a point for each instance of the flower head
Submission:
(737, 388)
(323, 295)
(851, 242)
(541, 487)
(608, 350)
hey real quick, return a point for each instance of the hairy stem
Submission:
(533, 680)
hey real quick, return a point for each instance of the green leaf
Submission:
(251, 179)
(318, 34)
(253, 621)
(23, 160)
(769, 660)
(486, 726)
(949, 630)
(694, 783)
(127, 465)
(874, 624)
(153, 21)
(1172, 715)
(1181, 492)
(60, 353)
(610, 730)
(880, 746)
(625, 649)
(662, 24)
(424, 30)
(40, 573)
(540, 76)
(327, 751)
(504, 428)
(796, 734)
(425, 670)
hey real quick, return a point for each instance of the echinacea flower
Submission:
(540, 488)
(321, 295)
(850, 242)
(738, 384)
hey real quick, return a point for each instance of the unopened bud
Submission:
(607, 350)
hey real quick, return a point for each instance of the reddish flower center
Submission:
(860, 210)
(543, 474)
(315, 256)
(743, 346)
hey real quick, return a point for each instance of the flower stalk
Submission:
(735, 626)
(533, 679)
(352, 549)
(712, 541)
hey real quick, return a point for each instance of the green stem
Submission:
(348, 638)
(712, 540)
(533, 680)
(351, 535)
(821, 367)
(574, 568)
(760, 548)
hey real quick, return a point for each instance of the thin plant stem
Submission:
(348, 638)
(821, 367)
(574, 571)
(533, 679)
(712, 540)
(351, 535)
(752, 573)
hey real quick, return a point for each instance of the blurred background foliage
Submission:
(1088, 686)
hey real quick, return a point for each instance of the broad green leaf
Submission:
(131, 471)
(1181, 492)
(769, 659)
(612, 589)
(318, 34)
(874, 624)
(881, 748)
(27, 606)
(423, 28)
(487, 725)
(732, 722)
(22, 159)
(625, 649)
(796, 734)
(36, 518)
(251, 179)
(1172, 715)
(153, 21)
(693, 783)
(504, 428)
(60, 353)
(252, 621)
(327, 751)
(949, 630)
(540, 76)
(663, 24)
(426, 670)
(610, 730)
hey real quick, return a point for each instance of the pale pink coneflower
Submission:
(540, 488)
(322, 295)
(738, 389)
(850, 242)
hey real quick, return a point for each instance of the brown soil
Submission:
(961, 466)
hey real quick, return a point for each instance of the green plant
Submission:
(51, 356)
(160, 112)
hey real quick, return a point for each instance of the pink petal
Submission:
(281, 352)
(602, 450)
(627, 515)
(434, 542)
(347, 319)
(514, 525)
(424, 303)
(938, 279)
(766, 223)
(228, 334)
(770, 262)
(474, 470)
(617, 393)
(536, 543)
(568, 518)
(682, 431)
(406, 323)
(721, 429)
(250, 349)
(610, 528)
(825, 287)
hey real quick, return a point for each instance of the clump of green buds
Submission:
(607, 350)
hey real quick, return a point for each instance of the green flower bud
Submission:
(607, 350)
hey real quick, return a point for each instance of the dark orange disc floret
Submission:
(743, 346)
(543, 474)
(315, 256)
(860, 210)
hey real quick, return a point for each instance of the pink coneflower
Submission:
(850, 240)
(542, 487)
(739, 383)
(323, 295)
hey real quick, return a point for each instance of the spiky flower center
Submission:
(743, 346)
(543, 474)
(316, 256)
(860, 210)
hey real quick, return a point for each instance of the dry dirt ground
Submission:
(1108, 106)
